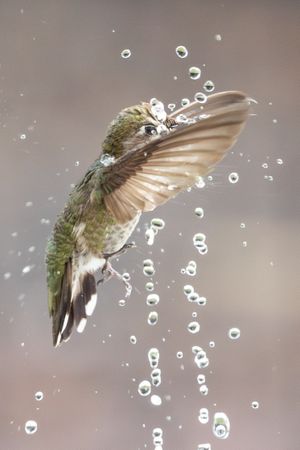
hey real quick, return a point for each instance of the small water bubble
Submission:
(212, 344)
(45, 221)
(242, 225)
(179, 355)
(264, 165)
(199, 212)
(156, 400)
(234, 333)
(194, 73)
(152, 318)
(158, 223)
(200, 97)
(199, 237)
(203, 389)
(233, 177)
(31, 249)
(209, 86)
(185, 102)
(221, 425)
(150, 236)
(188, 289)
(171, 106)
(194, 327)
(39, 395)
(181, 51)
(144, 388)
(126, 276)
(30, 426)
(28, 204)
(201, 379)
(133, 339)
(149, 286)
(6, 275)
(126, 53)
(23, 136)
(122, 302)
(27, 269)
(218, 37)
(244, 243)
(279, 161)
(203, 415)
(152, 299)
(77, 163)
(274, 120)
(204, 447)
(200, 183)
(255, 404)
(191, 270)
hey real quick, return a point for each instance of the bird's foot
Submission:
(119, 252)
(108, 272)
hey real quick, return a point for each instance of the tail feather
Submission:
(76, 300)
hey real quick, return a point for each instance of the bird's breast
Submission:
(117, 235)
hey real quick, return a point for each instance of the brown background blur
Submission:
(61, 81)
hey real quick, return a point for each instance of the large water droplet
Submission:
(221, 425)
(199, 212)
(194, 73)
(30, 426)
(157, 223)
(156, 400)
(39, 396)
(255, 404)
(152, 299)
(153, 318)
(188, 289)
(185, 102)
(181, 51)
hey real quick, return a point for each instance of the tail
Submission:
(75, 301)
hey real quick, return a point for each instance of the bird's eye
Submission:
(150, 130)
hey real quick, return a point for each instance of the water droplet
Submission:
(152, 299)
(199, 212)
(30, 426)
(200, 97)
(203, 415)
(156, 377)
(193, 297)
(122, 302)
(181, 51)
(201, 379)
(27, 269)
(274, 120)
(148, 271)
(212, 344)
(201, 360)
(234, 333)
(126, 53)
(185, 102)
(218, 37)
(242, 225)
(279, 161)
(149, 286)
(153, 318)
(6, 275)
(195, 73)
(179, 355)
(158, 109)
(194, 327)
(171, 106)
(153, 357)
(28, 204)
(150, 236)
(233, 177)
(209, 86)
(199, 237)
(188, 289)
(77, 163)
(31, 249)
(200, 183)
(204, 447)
(156, 400)
(202, 301)
(221, 425)
(107, 159)
(133, 339)
(255, 405)
(23, 136)
(144, 388)
(264, 165)
(191, 270)
(203, 389)
(244, 243)
(39, 396)
(157, 223)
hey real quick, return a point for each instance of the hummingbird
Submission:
(147, 158)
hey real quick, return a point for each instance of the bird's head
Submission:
(137, 125)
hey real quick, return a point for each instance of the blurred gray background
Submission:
(62, 80)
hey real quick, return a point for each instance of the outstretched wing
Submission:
(147, 177)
